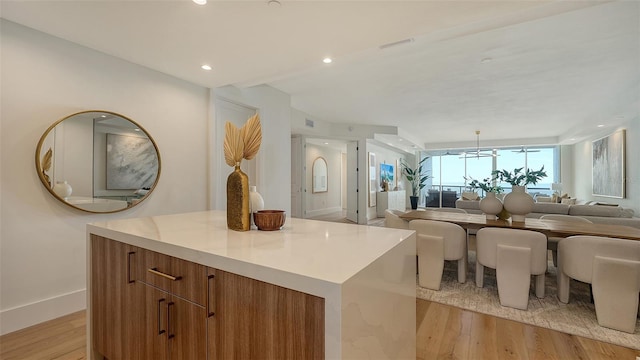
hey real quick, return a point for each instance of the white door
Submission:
(352, 181)
(297, 172)
(236, 114)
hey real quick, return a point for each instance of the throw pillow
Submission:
(470, 195)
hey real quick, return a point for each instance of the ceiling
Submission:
(522, 72)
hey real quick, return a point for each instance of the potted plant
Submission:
(416, 177)
(486, 185)
(518, 203)
(520, 179)
(490, 204)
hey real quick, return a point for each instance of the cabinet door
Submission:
(186, 330)
(257, 320)
(113, 285)
(148, 328)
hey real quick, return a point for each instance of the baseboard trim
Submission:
(27, 315)
(320, 212)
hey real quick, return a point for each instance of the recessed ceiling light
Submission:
(103, 116)
(206, 67)
(326, 143)
(399, 139)
(327, 60)
(200, 2)
(136, 129)
(600, 125)
(572, 139)
(274, 3)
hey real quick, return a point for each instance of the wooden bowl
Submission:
(269, 220)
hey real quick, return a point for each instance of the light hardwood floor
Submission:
(443, 332)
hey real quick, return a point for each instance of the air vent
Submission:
(308, 123)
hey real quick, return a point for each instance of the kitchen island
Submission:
(185, 286)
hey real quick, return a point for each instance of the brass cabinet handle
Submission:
(170, 335)
(210, 313)
(170, 277)
(160, 331)
(129, 267)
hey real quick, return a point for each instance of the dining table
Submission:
(555, 228)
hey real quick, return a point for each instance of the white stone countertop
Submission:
(303, 249)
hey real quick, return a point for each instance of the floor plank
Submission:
(442, 332)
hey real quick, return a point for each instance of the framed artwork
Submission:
(132, 162)
(373, 184)
(387, 173)
(609, 165)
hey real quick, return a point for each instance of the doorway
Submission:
(338, 201)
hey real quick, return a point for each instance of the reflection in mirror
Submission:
(319, 175)
(98, 161)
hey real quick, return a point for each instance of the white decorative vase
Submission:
(256, 202)
(518, 203)
(490, 205)
(62, 189)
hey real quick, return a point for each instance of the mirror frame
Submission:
(49, 187)
(314, 185)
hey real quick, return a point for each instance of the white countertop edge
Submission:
(306, 284)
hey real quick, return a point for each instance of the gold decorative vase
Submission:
(238, 215)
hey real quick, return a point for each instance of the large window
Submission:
(449, 171)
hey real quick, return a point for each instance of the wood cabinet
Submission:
(112, 289)
(171, 327)
(183, 310)
(395, 200)
(257, 320)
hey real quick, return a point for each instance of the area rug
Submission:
(577, 318)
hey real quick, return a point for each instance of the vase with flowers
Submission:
(240, 144)
(490, 205)
(518, 203)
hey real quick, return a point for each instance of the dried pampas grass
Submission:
(46, 160)
(233, 145)
(252, 137)
(242, 143)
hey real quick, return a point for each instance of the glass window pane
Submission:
(535, 160)
(479, 169)
(452, 173)
(435, 170)
(509, 160)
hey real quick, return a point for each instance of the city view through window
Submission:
(448, 171)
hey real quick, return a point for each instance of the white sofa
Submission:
(598, 214)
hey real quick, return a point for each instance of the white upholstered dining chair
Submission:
(436, 242)
(392, 219)
(516, 255)
(612, 267)
(552, 242)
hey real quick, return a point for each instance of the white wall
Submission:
(273, 162)
(387, 156)
(329, 201)
(42, 242)
(582, 159)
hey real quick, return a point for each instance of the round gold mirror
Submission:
(98, 161)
